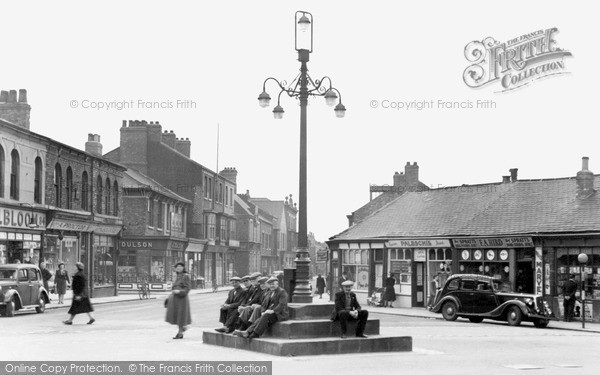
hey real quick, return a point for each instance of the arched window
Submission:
(69, 187)
(99, 195)
(1, 172)
(14, 174)
(115, 195)
(57, 185)
(84, 192)
(37, 181)
(107, 191)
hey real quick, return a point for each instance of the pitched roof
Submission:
(133, 179)
(520, 207)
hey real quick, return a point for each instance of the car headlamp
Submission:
(528, 301)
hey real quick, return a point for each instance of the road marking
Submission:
(525, 367)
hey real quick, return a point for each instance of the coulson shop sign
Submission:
(501, 242)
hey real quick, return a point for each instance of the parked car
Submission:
(479, 297)
(21, 287)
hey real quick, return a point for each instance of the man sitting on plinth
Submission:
(253, 302)
(348, 308)
(276, 310)
(228, 312)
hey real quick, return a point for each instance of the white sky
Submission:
(219, 53)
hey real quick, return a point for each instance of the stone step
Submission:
(301, 329)
(313, 346)
(303, 311)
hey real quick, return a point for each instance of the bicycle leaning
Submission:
(143, 290)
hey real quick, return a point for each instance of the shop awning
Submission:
(110, 230)
(68, 225)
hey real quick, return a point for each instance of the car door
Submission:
(35, 279)
(23, 287)
(466, 295)
(484, 299)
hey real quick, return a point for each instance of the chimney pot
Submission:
(585, 163)
(3, 96)
(12, 96)
(23, 96)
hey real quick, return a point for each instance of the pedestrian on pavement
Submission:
(46, 276)
(390, 292)
(228, 311)
(81, 302)
(434, 287)
(348, 308)
(178, 305)
(569, 288)
(320, 286)
(61, 280)
(276, 304)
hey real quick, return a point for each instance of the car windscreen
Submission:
(8, 275)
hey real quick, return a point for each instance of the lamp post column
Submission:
(301, 292)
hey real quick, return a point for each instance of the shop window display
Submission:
(104, 257)
(356, 265)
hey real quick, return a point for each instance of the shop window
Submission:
(378, 253)
(432, 255)
(104, 257)
(15, 166)
(37, 180)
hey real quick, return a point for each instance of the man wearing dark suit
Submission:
(253, 297)
(348, 308)
(276, 311)
(569, 289)
(227, 314)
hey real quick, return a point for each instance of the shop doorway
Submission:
(524, 278)
(418, 282)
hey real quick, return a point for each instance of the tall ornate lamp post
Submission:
(302, 87)
(582, 258)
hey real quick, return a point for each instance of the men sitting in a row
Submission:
(247, 314)
(274, 309)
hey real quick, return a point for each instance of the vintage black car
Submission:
(479, 297)
(21, 287)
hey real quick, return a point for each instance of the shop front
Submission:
(148, 260)
(414, 263)
(511, 259)
(21, 233)
(195, 267)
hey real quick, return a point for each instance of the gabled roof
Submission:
(520, 207)
(133, 179)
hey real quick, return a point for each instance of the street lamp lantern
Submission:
(301, 88)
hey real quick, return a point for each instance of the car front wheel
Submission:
(541, 323)
(449, 311)
(514, 316)
(10, 308)
(41, 307)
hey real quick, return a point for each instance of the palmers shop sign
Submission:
(515, 63)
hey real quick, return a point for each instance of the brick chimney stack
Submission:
(412, 174)
(183, 146)
(513, 174)
(93, 145)
(13, 111)
(169, 138)
(230, 174)
(585, 180)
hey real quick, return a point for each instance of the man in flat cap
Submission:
(348, 308)
(275, 310)
(228, 312)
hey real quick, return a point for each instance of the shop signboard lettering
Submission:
(538, 271)
(136, 244)
(321, 256)
(175, 245)
(176, 222)
(503, 242)
(418, 243)
(14, 218)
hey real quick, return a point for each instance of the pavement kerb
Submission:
(398, 311)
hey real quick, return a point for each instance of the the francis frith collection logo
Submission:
(514, 63)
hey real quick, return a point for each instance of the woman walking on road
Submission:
(178, 303)
(81, 302)
(61, 280)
